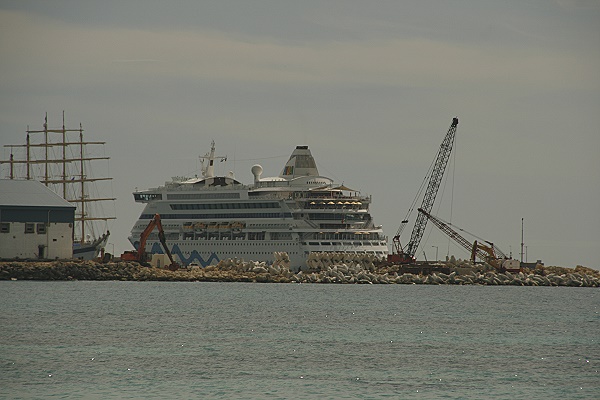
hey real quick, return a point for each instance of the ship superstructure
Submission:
(211, 218)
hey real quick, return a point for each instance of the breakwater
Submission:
(278, 272)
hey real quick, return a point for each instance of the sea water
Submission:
(151, 340)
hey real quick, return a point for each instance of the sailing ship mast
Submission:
(82, 199)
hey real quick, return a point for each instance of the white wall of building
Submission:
(56, 239)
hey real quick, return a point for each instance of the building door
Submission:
(41, 251)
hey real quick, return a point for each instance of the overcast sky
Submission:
(370, 86)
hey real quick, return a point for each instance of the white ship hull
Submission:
(209, 252)
(213, 218)
(90, 251)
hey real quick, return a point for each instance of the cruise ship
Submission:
(211, 218)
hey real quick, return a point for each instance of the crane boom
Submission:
(437, 173)
(483, 252)
(444, 227)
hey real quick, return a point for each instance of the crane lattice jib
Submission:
(437, 173)
(458, 238)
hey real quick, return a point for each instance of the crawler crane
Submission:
(407, 255)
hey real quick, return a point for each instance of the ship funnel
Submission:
(301, 163)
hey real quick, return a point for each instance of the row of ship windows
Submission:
(234, 237)
(185, 196)
(278, 244)
(337, 217)
(190, 225)
(380, 253)
(219, 216)
(344, 243)
(202, 196)
(222, 206)
(147, 196)
(251, 252)
(237, 244)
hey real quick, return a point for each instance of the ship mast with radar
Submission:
(208, 171)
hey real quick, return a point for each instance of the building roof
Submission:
(29, 193)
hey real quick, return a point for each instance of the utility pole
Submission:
(436, 253)
(522, 243)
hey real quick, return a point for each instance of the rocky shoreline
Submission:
(240, 271)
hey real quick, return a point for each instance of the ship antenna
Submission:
(208, 171)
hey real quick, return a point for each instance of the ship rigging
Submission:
(59, 158)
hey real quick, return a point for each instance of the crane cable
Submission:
(452, 193)
(439, 204)
(417, 197)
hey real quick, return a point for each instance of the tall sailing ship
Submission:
(210, 218)
(61, 159)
